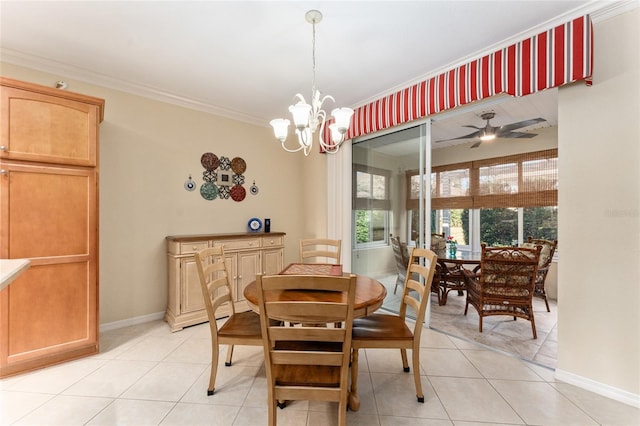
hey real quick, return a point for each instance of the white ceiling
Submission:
(246, 60)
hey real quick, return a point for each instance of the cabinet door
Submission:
(273, 260)
(48, 214)
(249, 264)
(191, 298)
(45, 128)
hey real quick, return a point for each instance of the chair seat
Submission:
(242, 324)
(381, 327)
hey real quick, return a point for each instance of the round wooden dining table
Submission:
(370, 294)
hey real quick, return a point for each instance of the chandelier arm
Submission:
(291, 150)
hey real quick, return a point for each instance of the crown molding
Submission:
(70, 72)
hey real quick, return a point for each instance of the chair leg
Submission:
(405, 361)
(354, 371)
(546, 302)
(229, 355)
(480, 324)
(415, 355)
(398, 282)
(273, 415)
(533, 324)
(214, 370)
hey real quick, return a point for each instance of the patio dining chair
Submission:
(546, 256)
(505, 283)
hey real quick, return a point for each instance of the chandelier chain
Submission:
(313, 57)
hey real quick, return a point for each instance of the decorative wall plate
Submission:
(209, 191)
(238, 165)
(209, 161)
(238, 193)
(255, 224)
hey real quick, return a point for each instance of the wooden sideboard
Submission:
(246, 255)
(48, 215)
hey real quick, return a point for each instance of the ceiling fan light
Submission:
(280, 128)
(342, 118)
(300, 112)
(488, 137)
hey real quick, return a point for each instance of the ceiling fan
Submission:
(490, 132)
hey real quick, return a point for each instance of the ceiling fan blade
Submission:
(517, 135)
(472, 126)
(469, 136)
(475, 145)
(518, 125)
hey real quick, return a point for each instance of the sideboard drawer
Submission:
(272, 241)
(192, 247)
(245, 243)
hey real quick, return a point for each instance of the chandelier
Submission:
(307, 118)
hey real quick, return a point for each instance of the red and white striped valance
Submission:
(552, 58)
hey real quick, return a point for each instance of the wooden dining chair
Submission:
(315, 249)
(392, 331)
(306, 362)
(505, 283)
(240, 328)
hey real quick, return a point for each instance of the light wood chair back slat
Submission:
(305, 362)
(320, 250)
(240, 328)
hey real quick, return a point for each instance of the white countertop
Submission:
(10, 269)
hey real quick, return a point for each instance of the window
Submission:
(505, 199)
(371, 205)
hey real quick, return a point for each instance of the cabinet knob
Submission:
(3, 148)
(250, 244)
(195, 248)
(3, 172)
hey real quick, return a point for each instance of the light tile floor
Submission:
(499, 332)
(146, 375)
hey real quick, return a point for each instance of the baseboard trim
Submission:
(131, 321)
(599, 388)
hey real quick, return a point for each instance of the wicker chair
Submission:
(546, 256)
(439, 245)
(401, 255)
(505, 283)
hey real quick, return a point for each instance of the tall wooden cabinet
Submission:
(48, 214)
(246, 255)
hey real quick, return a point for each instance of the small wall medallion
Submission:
(189, 184)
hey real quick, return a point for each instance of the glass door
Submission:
(389, 201)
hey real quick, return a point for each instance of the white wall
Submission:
(599, 216)
(147, 151)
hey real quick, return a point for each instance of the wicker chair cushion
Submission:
(544, 253)
(506, 291)
(439, 245)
